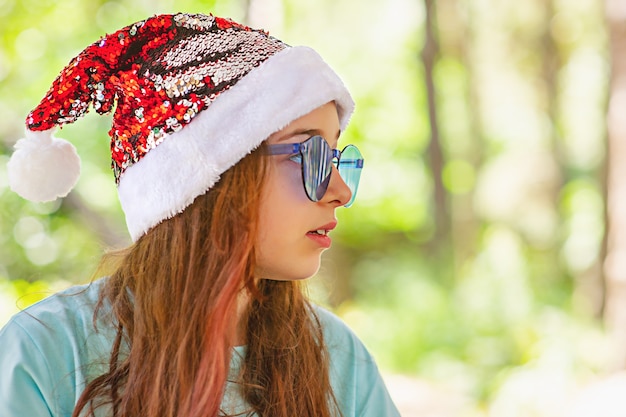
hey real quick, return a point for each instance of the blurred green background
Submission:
(482, 261)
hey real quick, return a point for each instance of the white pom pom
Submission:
(43, 168)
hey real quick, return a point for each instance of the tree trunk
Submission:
(465, 226)
(429, 56)
(615, 261)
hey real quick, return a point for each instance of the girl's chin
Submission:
(288, 276)
(297, 271)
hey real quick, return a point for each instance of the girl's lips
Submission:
(323, 240)
(320, 234)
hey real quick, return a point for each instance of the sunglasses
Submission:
(317, 159)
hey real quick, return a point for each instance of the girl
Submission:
(224, 152)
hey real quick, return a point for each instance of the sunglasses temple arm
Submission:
(283, 149)
(352, 163)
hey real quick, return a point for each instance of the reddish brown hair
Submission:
(174, 295)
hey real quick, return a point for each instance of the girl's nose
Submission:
(338, 191)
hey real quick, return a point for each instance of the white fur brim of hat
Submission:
(288, 85)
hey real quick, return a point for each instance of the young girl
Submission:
(224, 149)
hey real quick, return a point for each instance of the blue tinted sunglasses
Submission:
(316, 159)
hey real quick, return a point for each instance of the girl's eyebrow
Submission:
(308, 132)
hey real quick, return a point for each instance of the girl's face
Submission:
(293, 229)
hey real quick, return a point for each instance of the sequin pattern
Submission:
(157, 75)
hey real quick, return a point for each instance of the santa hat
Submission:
(192, 95)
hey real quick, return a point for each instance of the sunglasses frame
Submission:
(318, 183)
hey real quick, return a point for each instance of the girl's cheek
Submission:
(290, 178)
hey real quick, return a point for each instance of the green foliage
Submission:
(520, 100)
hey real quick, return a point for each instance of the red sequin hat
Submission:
(191, 95)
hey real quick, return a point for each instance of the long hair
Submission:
(175, 296)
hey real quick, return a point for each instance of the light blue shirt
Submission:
(50, 350)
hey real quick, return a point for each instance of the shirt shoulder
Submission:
(75, 303)
(48, 351)
(357, 383)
